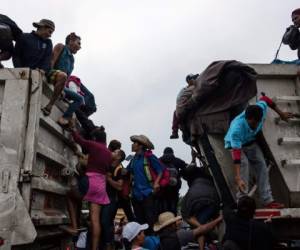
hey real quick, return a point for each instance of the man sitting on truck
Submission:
(62, 64)
(241, 139)
(34, 49)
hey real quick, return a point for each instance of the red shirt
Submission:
(100, 157)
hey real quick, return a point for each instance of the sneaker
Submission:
(174, 135)
(274, 205)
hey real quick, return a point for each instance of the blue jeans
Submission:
(77, 99)
(253, 160)
(207, 213)
(108, 213)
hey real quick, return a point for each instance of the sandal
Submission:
(46, 111)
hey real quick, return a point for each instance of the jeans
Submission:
(144, 211)
(207, 213)
(108, 213)
(77, 99)
(252, 160)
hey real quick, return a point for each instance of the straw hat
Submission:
(142, 139)
(165, 219)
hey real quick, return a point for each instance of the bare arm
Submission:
(203, 229)
(118, 185)
(56, 53)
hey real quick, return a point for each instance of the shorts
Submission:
(93, 188)
(51, 77)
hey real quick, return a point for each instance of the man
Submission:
(114, 183)
(171, 192)
(134, 236)
(247, 155)
(9, 32)
(201, 203)
(34, 49)
(173, 238)
(190, 79)
(143, 189)
(242, 231)
(62, 64)
(292, 34)
(124, 201)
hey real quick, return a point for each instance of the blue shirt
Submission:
(32, 51)
(142, 188)
(151, 243)
(240, 133)
(65, 61)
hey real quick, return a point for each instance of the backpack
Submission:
(173, 175)
(152, 175)
(125, 192)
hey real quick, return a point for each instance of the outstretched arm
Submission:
(203, 229)
(283, 115)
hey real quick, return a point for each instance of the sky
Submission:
(136, 54)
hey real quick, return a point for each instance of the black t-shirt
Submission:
(247, 234)
(116, 175)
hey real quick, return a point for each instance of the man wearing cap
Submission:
(173, 238)
(171, 192)
(143, 188)
(292, 34)
(190, 79)
(34, 49)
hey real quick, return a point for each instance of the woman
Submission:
(93, 185)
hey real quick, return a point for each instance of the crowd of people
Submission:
(147, 189)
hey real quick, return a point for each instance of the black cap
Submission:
(168, 151)
(191, 77)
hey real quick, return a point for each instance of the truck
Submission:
(280, 144)
(36, 163)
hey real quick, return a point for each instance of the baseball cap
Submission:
(132, 229)
(44, 23)
(191, 77)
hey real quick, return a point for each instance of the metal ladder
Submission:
(289, 141)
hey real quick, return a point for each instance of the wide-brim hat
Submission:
(165, 219)
(142, 139)
(44, 23)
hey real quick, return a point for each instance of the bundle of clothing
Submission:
(221, 92)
